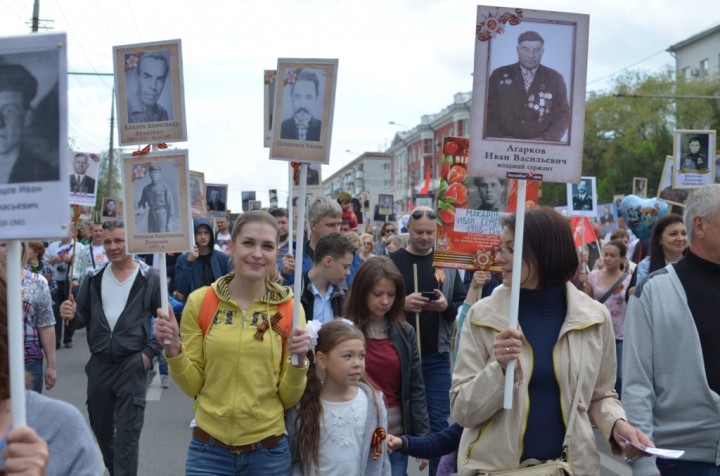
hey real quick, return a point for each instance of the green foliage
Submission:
(103, 189)
(629, 129)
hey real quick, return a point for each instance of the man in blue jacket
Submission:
(201, 266)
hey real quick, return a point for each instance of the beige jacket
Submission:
(492, 439)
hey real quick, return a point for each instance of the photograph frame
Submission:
(168, 105)
(686, 159)
(174, 178)
(196, 192)
(576, 210)
(383, 200)
(639, 186)
(105, 214)
(269, 85)
(223, 190)
(40, 58)
(511, 155)
(424, 200)
(674, 196)
(86, 199)
(284, 144)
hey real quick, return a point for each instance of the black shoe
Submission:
(68, 345)
(57, 346)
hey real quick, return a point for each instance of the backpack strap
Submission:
(207, 310)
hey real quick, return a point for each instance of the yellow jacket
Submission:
(492, 439)
(242, 385)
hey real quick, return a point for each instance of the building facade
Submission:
(371, 172)
(698, 57)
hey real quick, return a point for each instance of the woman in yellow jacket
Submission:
(553, 318)
(237, 365)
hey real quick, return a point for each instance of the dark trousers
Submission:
(58, 298)
(436, 372)
(116, 407)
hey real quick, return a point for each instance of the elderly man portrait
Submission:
(18, 164)
(215, 202)
(582, 200)
(142, 104)
(80, 181)
(304, 93)
(527, 100)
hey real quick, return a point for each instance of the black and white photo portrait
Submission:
(156, 208)
(582, 198)
(109, 208)
(303, 106)
(146, 77)
(640, 187)
(488, 193)
(694, 164)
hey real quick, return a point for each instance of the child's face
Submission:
(345, 363)
(346, 205)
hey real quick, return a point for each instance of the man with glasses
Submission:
(18, 164)
(117, 304)
(437, 315)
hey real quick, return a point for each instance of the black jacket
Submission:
(337, 298)
(132, 330)
(414, 407)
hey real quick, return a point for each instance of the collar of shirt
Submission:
(322, 310)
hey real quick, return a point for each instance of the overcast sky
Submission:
(398, 60)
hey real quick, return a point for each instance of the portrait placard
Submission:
(149, 93)
(34, 189)
(216, 199)
(255, 205)
(246, 197)
(528, 107)
(84, 169)
(640, 187)
(693, 151)
(424, 200)
(582, 198)
(197, 195)
(157, 203)
(273, 195)
(666, 192)
(269, 82)
(303, 112)
(608, 217)
(111, 209)
(385, 204)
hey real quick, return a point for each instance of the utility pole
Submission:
(36, 16)
(111, 154)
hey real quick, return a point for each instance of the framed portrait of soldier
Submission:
(149, 93)
(694, 151)
(528, 105)
(157, 202)
(269, 82)
(273, 195)
(582, 198)
(666, 192)
(198, 204)
(246, 197)
(303, 112)
(385, 204)
(424, 200)
(33, 137)
(110, 209)
(216, 199)
(84, 169)
(255, 205)
(640, 187)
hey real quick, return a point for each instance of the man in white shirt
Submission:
(117, 304)
(60, 255)
(92, 257)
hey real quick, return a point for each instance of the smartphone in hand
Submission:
(431, 295)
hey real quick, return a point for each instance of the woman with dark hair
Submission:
(388, 228)
(668, 242)
(392, 361)
(40, 448)
(555, 322)
(607, 286)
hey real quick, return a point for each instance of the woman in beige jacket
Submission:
(553, 316)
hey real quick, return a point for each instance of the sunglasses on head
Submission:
(420, 213)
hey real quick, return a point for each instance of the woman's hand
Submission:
(166, 330)
(393, 443)
(507, 346)
(26, 453)
(299, 344)
(627, 435)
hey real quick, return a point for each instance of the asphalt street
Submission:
(166, 433)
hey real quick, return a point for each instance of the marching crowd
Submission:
(388, 349)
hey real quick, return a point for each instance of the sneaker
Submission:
(165, 381)
(68, 345)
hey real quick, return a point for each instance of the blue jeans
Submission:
(206, 459)
(673, 467)
(618, 378)
(398, 464)
(35, 368)
(436, 373)
(162, 363)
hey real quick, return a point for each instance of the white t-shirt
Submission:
(115, 294)
(341, 436)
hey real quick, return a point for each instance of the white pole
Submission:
(299, 254)
(515, 287)
(290, 211)
(16, 341)
(164, 300)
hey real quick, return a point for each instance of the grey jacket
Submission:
(414, 406)
(665, 389)
(132, 332)
(378, 467)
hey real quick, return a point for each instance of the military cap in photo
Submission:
(16, 78)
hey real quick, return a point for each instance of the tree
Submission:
(102, 189)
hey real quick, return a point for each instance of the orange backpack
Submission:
(283, 325)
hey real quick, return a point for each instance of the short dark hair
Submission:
(112, 224)
(548, 245)
(278, 212)
(373, 270)
(307, 76)
(694, 139)
(334, 245)
(657, 255)
(530, 36)
(619, 245)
